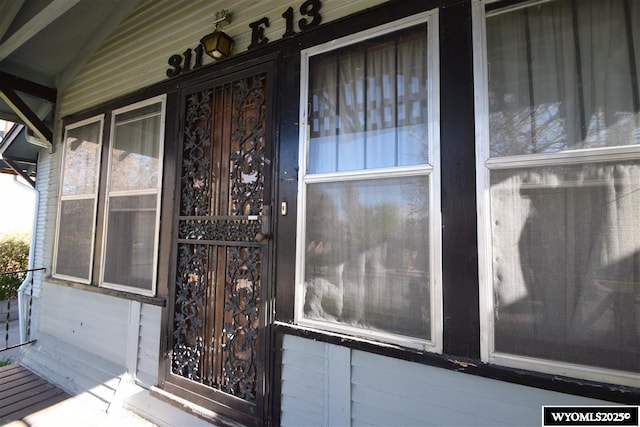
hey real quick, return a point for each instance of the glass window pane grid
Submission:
(81, 159)
(588, 157)
(568, 205)
(136, 271)
(424, 169)
(130, 248)
(339, 142)
(74, 249)
(135, 151)
(581, 113)
(75, 243)
(372, 222)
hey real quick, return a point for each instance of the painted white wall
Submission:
(329, 385)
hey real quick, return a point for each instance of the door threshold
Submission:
(166, 409)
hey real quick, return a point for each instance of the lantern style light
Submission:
(218, 44)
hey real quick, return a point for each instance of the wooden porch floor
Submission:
(27, 400)
(23, 393)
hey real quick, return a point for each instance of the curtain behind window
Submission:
(134, 183)
(366, 242)
(368, 106)
(566, 238)
(563, 76)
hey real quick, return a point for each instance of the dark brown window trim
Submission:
(131, 296)
(590, 389)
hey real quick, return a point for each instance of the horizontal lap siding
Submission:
(81, 342)
(386, 391)
(422, 393)
(149, 345)
(74, 370)
(96, 323)
(136, 55)
(43, 230)
(303, 382)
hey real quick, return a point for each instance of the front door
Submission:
(218, 343)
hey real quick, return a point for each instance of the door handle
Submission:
(265, 232)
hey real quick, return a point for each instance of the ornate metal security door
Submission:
(217, 340)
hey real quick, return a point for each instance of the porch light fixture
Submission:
(218, 44)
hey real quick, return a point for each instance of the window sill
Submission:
(604, 391)
(161, 302)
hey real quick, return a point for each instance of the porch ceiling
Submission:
(43, 44)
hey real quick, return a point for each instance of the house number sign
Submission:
(191, 59)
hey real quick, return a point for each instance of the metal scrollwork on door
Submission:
(196, 158)
(216, 307)
(189, 305)
(241, 322)
(247, 154)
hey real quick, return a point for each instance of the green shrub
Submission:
(14, 256)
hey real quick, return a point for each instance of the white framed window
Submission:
(558, 161)
(77, 204)
(368, 245)
(132, 181)
(132, 203)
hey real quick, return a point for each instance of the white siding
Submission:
(42, 250)
(149, 345)
(74, 369)
(386, 391)
(84, 339)
(304, 377)
(79, 345)
(44, 228)
(136, 55)
(48, 183)
(94, 322)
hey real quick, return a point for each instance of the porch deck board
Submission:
(26, 399)
(23, 393)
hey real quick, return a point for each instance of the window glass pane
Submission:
(129, 251)
(368, 105)
(75, 237)
(323, 114)
(564, 76)
(81, 157)
(381, 105)
(566, 263)
(350, 91)
(135, 162)
(412, 100)
(367, 255)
